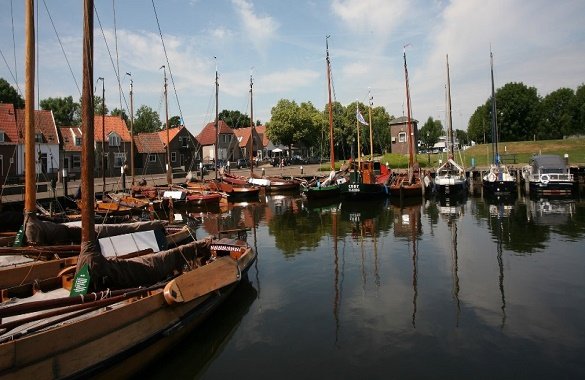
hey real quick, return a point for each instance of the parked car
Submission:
(297, 160)
(243, 163)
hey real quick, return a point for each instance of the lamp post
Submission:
(428, 151)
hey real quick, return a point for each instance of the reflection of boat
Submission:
(450, 178)
(548, 174)
(551, 211)
(498, 180)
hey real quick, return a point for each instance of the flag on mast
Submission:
(360, 118)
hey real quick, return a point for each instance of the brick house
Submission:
(8, 141)
(71, 150)
(244, 136)
(399, 134)
(228, 147)
(115, 147)
(183, 147)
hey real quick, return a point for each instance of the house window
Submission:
(402, 137)
(76, 161)
(173, 156)
(114, 139)
(77, 141)
(119, 159)
(224, 138)
(1, 136)
(152, 157)
(38, 137)
(184, 141)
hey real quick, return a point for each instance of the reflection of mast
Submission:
(455, 267)
(501, 267)
(336, 277)
(413, 224)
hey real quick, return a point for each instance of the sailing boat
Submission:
(139, 305)
(238, 187)
(450, 179)
(329, 187)
(408, 184)
(498, 180)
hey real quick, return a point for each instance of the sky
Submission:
(281, 43)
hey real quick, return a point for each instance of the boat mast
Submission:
(449, 115)
(216, 118)
(131, 128)
(494, 115)
(87, 114)
(410, 133)
(252, 127)
(371, 103)
(30, 199)
(331, 144)
(357, 125)
(103, 161)
(169, 169)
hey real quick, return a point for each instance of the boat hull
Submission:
(499, 187)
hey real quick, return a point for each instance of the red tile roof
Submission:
(207, 135)
(44, 123)
(8, 123)
(261, 130)
(243, 135)
(173, 132)
(111, 124)
(69, 134)
(149, 143)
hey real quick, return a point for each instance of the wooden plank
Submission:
(198, 282)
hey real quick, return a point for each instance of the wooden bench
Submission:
(509, 158)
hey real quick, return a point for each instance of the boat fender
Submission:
(544, 179)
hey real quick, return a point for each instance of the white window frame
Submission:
(114, 139)
(119, 159)
(151, 157)
(402, 137)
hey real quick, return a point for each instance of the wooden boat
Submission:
(498, 180)
(367, 179)
(548, 174)
(326, 188)
(450, 179)
(408, 184)
(117, 330)
(139, 306)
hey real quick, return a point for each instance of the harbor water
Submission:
(467, 288)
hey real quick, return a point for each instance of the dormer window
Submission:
(77, 141)
(38, 137)
(114, 139)
(2, 138)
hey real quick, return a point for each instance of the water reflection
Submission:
(471, 285)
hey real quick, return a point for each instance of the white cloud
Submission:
(287, 80)
(259, 29)
(378, 16)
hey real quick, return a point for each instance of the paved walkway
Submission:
(115, 183)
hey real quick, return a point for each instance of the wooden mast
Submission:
(357, 125)
(131, 128)
(29, 112)
(410, 132)
(371, 103)
(216, 118)
(103, 161)
(169, 169)
(331, 144)
(252, 127)
(87, 111)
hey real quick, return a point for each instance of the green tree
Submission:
(175, 121)
(518, 112)
(121, 113)
(9, 95)
(99, 108)
(462, 137)
(430, 132)
(146, 120)
(479, 126)
(283, 122)
(579, 109)
(558, 115)
(309, 125)
(65, 111)
(235, 119)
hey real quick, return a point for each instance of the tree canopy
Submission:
(8, 94)
(234, 119)
(430, 132)
(65, 111)
(146, 120)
